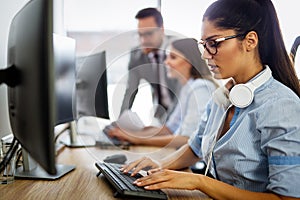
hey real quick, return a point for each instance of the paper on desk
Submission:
(130, 121)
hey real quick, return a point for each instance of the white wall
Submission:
(99, 15)
(187, 19)
(183, 17)
(7, 10)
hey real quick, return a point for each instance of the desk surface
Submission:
(82, 182)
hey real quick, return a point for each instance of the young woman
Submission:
(185, 64)
(251, 146)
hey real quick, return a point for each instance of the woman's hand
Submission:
(119, 134)
(163, 178)
(140, 164)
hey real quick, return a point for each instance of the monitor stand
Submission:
(31, 169)
(76, 140)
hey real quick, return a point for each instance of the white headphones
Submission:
(241, 95)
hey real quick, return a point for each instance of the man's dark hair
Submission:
(151, 12)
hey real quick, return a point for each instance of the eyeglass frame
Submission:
(217, 41)
(148, 34)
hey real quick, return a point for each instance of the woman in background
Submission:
(185, 64)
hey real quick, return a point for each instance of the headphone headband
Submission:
(265, 75)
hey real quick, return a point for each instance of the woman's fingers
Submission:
(139, 164)
(162, 178)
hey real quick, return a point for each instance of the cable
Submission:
(9, 150)
(61, 132)
(9, 155)
(214, 142)
(19, 162)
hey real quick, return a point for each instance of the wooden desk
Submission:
(82, 183)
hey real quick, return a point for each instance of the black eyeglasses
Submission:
(148, 34)
(212, 45)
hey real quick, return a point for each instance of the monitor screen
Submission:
(91, 86)
(32, 101)
(65, 78)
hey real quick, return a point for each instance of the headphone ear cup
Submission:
(241, 95)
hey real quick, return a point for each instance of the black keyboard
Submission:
(123, 183)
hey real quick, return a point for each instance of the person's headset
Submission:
(241, 95)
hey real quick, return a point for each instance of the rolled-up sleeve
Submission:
(280, 141)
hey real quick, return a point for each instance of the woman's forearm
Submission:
(220, 190)
(182, 158)
(163, 140)
(154, 131)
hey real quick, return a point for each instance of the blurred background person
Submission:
(185, 64)
(146, 62)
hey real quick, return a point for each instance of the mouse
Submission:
(116, 158)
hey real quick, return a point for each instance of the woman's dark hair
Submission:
(259, 16)
(151, 12)
(189, 49)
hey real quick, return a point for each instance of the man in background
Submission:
(146, 62)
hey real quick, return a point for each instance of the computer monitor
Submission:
(65, 89)
(91, 86)
(65, 78)
(91, 96)
(31, 79)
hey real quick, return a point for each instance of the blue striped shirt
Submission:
(261, 150)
